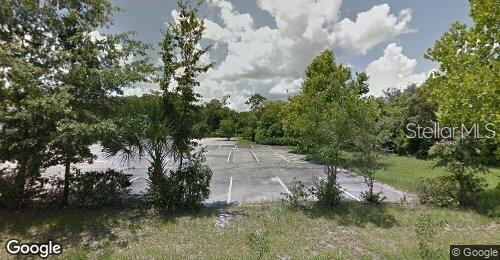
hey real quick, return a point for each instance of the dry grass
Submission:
(349, 231)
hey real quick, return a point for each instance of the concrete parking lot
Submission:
(244, 174)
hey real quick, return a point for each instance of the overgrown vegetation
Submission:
(355, 230)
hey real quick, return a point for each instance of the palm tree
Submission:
(142, 132)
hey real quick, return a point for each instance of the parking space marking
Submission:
(283, 185)
(350, 195)
(281, 156)
(134, 179)
(344, 191)
(229, 156)
(255, 156)
(229, 191)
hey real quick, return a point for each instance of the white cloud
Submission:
(271, 60)
(267, 60)
(286, 86)
(392, 70)
(371, 28)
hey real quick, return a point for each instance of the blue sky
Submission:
(263, 46)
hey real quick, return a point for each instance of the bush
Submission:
(7, 194)
(33, 190)
(438, 192)
(426, 232)
(299, 195)
(327, 192)
(183, 189)
(375, 198)
(452, 191)
(94, 188)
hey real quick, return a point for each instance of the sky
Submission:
(264, 46)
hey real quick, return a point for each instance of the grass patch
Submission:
(351, 230)
(245, 142)
(405, 172)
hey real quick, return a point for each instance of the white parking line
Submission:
(219, 146)
(283, 185)
(134, 179)
(255, 157)
(344, 191)
(281, 156)
(251, 146)
(229, 156)
(229, 191)
(350, 195)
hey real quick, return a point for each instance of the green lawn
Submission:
(405, 172)
(245, 142)
(353, 230)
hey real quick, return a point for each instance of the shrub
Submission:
(299, 195)
(33, 190)
(438, 192)
(183, 189)
(7, 199)
(374, 198)
(94, 188)
(328, 192)
(426, 232)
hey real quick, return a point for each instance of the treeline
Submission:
(59, 82)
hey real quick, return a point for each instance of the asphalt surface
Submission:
(243, 174)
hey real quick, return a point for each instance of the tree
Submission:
(97, 67)
(255, 100)
(181, 54)
(465, 89)
(325, 117)
(466, 85)
(214, 112)
(228, 128)
(29, 102)
(401, 111)
(79, 69)
(365, 158)
(142, 132)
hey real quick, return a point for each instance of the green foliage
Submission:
(462, 160)
(299, 195)
(180, 52)
(213, 113)
(142, 132)
(438, 192)
(426, 233)
(400, 110)
(58, 76)
(183, 189)
(467, 83)
(327, 191)
(255, 100)
(328, 117)
(258, 242)
(94, 188)
(228, 128)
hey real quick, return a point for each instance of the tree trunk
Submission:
(180, 162)
(67, 176)
(157, 168)
(20, 182)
